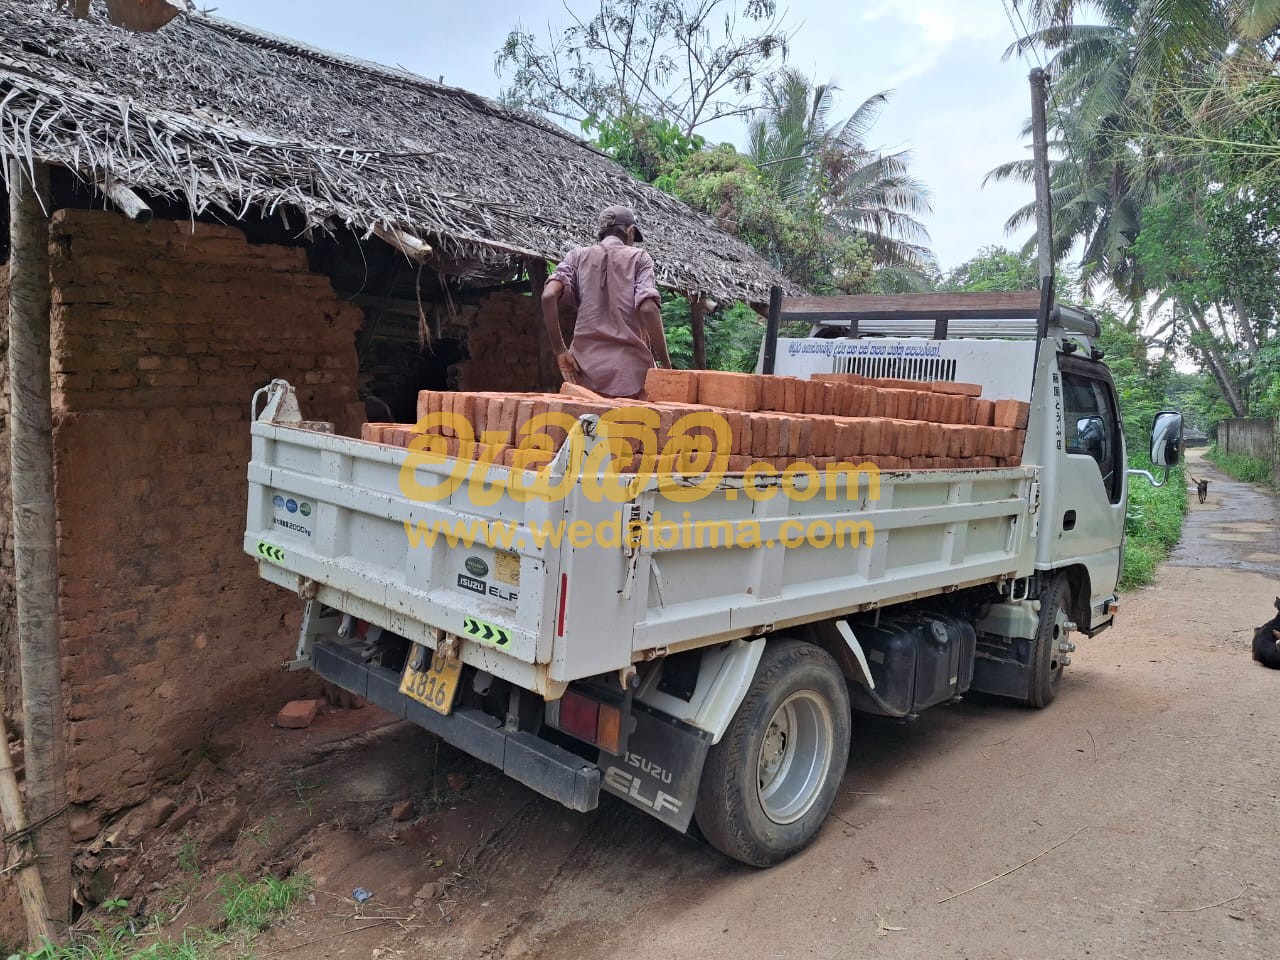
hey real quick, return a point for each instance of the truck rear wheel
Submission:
(1046, 673)
(770, 781)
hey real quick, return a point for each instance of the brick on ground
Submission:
(297, 714)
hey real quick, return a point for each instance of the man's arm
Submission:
(651, 324)
(551, 293)
(649, 307)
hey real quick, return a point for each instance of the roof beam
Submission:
(1021, 305)
(414, 248)
(127, 202)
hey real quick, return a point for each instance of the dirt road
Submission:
(1145, 799)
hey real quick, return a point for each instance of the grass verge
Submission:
(247, 909)
(1152, 526)
(1246, 469)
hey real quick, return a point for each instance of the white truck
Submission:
(697, 678)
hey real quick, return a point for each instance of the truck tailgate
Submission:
(328, 516)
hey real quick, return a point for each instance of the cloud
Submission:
(927, 29)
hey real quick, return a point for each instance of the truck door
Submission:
(1091, 509)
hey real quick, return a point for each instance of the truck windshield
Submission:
(1090, 425)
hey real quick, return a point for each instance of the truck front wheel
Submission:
(770, 781)
(1046, 674)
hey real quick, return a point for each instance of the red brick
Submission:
(793, 395)
(297, 714)
(961, 389)
(771, 393)
(733, 391)
(678, 386)
(1012, 413)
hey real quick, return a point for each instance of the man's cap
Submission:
(619, 216)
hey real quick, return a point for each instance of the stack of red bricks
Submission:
(832, 418)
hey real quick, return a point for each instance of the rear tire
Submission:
(769, 783)
(1047, 666)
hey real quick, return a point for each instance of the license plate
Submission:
(433, 686)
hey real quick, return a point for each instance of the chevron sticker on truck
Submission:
(269, 552)
(486, 632)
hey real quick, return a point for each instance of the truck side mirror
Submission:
(1166, 439)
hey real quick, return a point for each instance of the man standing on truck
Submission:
(618, 335)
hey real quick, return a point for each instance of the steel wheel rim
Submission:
(1060, 633)
(795, 757)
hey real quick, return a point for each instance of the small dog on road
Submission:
(1266, 641)
(1202, 488)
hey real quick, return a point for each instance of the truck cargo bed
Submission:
(328, 516)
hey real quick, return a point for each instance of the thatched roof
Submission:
(218, 116)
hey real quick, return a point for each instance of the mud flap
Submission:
(660, 770)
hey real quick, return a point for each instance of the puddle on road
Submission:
(1251, 526)
(1233, 537)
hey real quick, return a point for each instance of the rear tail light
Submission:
(591, 721)
(579, 716)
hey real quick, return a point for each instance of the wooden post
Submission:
(697, 320)
(35, 547)
(548, 372)
(30, 889)
(1044, 205)
(771, 329)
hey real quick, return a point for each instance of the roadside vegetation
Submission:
(1152, 525)
(1246, 469)
(247, 909)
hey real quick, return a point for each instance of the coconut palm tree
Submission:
(1118, 101)
(861, 191)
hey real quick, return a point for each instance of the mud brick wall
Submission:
(160, 337)
(505, 347)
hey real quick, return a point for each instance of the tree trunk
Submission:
(30, 890)
(1243, 323)
(34, 534)
(697, 321)
(1217, 364)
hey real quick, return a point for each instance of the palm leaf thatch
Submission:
(227, 120)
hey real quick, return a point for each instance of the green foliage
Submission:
(1198, 399)
(1153, 523)
(824, 166)
(189, 857)
(1241, 467)
(1173, 250)
(994, 269)
(1167, 170)
(247, 909)
(795, 237)
(121, 944)
(644, 145)
(253, 907)
(733, 335)
(1141, 381)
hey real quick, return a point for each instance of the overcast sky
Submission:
(956, 105)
